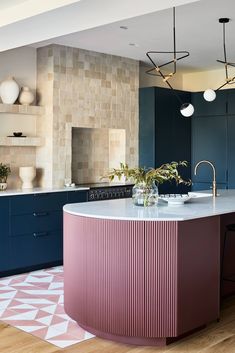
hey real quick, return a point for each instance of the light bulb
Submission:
(209, 95)
(187, 109)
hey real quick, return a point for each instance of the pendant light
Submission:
(186, 109)
(210, 94)
(150, 54)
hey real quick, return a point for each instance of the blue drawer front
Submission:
(23, 204)
(36, 222)
(77, 196)
(30, 250)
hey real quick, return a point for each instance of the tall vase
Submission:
(9, 91)
(26, 97)
(145, 194)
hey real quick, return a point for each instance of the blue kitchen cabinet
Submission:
(77, 196)
(4, 234)
(231, 152)
(204, 108)
(207, 186)
(164, 134)
(36, 229)
(209, 141)
(147, 127)
(231, 101)
(32, 230)
(40, 202)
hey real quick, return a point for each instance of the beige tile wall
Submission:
(17, 157)
(81, 88)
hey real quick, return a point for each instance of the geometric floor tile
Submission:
(33, 302)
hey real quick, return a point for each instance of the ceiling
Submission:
(197, 30)
(33, 21)
(4, 4)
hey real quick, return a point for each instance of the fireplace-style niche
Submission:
(94, 151)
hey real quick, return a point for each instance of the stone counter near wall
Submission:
(81, 88)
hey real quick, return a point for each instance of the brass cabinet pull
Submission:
(40, 234)
(40, 214)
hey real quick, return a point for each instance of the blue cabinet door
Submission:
(207, 186)
(164, 135)
(77, 196)
(41, 202)
(4, 234)
(30, 250)
(173, 136)
(204, 108)
(147, 127)
(209, 141)
(231, 152)
(231, 101)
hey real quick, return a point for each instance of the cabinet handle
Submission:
(40, 214)
(42, 234)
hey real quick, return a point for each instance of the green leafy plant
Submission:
(166, 172)
(5, 171)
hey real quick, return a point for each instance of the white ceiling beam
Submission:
(78, 16)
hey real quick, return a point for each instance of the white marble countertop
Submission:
(123, 209)
(14, 192)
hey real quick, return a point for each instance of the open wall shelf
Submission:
(21, 109)
(21, 141)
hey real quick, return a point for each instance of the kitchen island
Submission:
(144, 276)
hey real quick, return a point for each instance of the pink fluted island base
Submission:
(141, 282)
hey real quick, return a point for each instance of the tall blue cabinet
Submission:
(164, 134)
(213, 138)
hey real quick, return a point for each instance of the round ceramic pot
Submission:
(26, 97)
(3, 186)
(9, 91)
(27, 175)
(144, 194)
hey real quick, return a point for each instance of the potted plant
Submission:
(145, 191)
(4, 172)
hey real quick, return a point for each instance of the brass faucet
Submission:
(214, 189)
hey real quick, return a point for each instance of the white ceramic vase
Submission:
(27, 175)
(26, 96)
(9, 90)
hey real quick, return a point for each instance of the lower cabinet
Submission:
(77, 196)
(4, 234)
(29, 250)
(32, 229)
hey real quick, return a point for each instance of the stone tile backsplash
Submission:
(81, 88)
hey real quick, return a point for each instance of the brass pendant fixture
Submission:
(186, 109)
(210, 94)
(157, 68)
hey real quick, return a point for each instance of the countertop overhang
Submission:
(123, 209)
(14, 192)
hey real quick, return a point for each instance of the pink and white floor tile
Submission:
(33, 302)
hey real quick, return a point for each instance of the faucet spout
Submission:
(214, 188)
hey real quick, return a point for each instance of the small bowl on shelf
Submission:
(17, 134)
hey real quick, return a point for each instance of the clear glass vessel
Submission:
(144, 194)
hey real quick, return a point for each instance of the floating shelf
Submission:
(21, 141)
(21, 109)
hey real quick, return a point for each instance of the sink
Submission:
(195, 194)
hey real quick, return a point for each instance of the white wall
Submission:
(201, 80)
(150, 81)
(21, 64)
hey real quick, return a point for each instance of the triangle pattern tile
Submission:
(33, 303)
